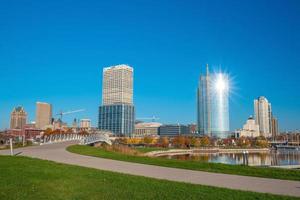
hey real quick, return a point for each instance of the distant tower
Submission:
(204, 104)
(74, 123)
(263, 116)
(275, 128)
(43, 115)
(117, 113)
(18, 118)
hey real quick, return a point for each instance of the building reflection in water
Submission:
(280, 157)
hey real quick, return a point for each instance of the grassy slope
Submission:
(193, 165)
(28, 178)
(149, 149)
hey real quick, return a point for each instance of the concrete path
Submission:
(57, 153)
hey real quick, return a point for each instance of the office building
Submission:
(263, 116)
(173, 130)
(43, 115)
(117, 113)
(18, 118)
(146, 129)
(213, 105)
(85, 124)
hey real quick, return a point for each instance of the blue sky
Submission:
(54, 51)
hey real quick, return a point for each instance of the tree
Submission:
(205, 141)
(148, 140)
(262, 143)
(179, 141)
(243, 142)
(164, 141)
(197, 142)
(187, 141)
(48, 131)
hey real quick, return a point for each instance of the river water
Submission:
(279, 157)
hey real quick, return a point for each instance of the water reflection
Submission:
(280, 157)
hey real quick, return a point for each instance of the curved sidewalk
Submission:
(57, 153)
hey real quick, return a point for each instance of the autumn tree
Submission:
(243, 142)
(261, 142)
(205, 141)
(148, 140)
(48, 131)
(187, 141)
(164, 141)
(196, 142)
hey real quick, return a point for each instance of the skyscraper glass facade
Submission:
(204, 105)
(219, 105)
(118, 119)
(213, 105)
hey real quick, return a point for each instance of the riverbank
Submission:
(172, 152)
(275, 173)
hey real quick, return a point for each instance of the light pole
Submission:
(11, 147)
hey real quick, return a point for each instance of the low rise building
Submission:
(85, 124)
(173, 130)
(250, 129)
(146, 129)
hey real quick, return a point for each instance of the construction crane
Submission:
(61, 114)
(153, 118)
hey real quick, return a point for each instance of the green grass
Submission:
(149, 149)
(287, 174)
(23, 178)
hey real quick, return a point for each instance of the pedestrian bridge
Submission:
(95, 138)
(61, 137)
(85, 139)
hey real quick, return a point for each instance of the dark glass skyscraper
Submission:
(117, 113)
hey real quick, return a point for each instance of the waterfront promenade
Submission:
(57, 152)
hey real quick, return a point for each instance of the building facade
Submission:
(117, 113)
(85, 124)
(173, 130)
(250, 129)
(43, 115)
(204, 104)
(275, 128)
(117, 85)
(146, 129)
(213, 105)
(263, 116)
(18, 118)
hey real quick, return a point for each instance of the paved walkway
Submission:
(57, 153)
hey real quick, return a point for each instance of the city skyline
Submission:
(168, 53)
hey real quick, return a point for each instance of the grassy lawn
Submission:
(27, 178)
(193, 165)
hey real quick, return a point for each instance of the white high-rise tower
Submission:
(263, 116)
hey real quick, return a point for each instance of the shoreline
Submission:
(172, 152)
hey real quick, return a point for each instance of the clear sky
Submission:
(54, 51)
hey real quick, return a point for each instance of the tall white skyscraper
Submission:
(117, 85)
(117, 113)
(263, 116)
(213, 105)
(43, 115)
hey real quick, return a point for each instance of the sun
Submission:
(221, 83)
